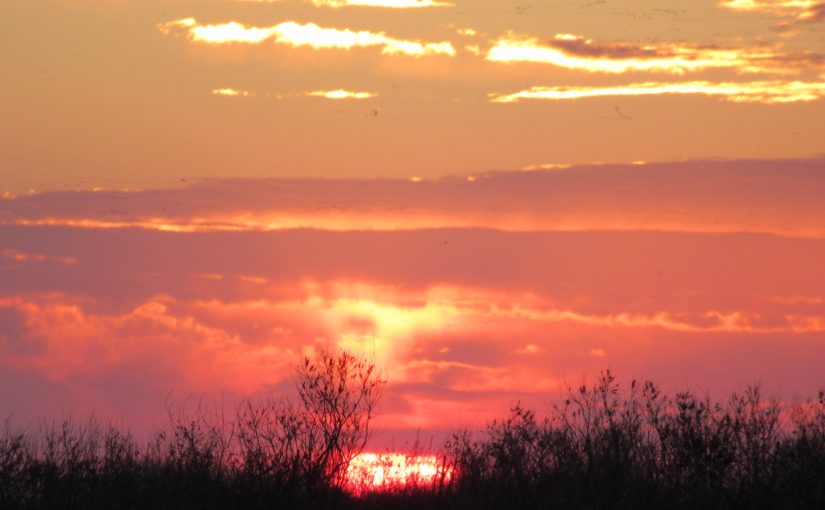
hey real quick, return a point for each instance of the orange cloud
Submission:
(767, 92)
(709, 322)
(19, 256)
(802, 10)
(390, 4)
(68, 342)
(303, 35)
(576, 52)
(230, 92)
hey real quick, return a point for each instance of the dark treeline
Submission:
(603, 447)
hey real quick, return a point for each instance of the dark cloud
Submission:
(780, 197)
(582, 47)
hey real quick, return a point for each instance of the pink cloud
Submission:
(461, 351)
(464, 320)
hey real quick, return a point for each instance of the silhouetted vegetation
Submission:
(273, 453)
(601, 447)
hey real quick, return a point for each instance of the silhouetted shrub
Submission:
(604, 448)
(272, 453)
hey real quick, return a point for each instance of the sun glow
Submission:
(341, 94)
(386, 471)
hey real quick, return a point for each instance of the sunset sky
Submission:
(492, 199)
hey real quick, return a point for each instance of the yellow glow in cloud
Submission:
(390, 4)
(341, 94)
(575, 52)
(308, 34)
(769, 92)
(392, 324)
(361, 318)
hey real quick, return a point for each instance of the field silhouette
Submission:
(604, 446)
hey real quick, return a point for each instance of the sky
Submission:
(491, 199)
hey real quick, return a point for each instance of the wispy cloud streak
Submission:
(768, 92)
(801, 10)
(579, 53)
(303, 35)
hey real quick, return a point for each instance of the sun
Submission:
(368, 472)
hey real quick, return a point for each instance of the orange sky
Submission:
(143, 93)
(492, 199)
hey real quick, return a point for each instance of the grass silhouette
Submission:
(602, 447)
